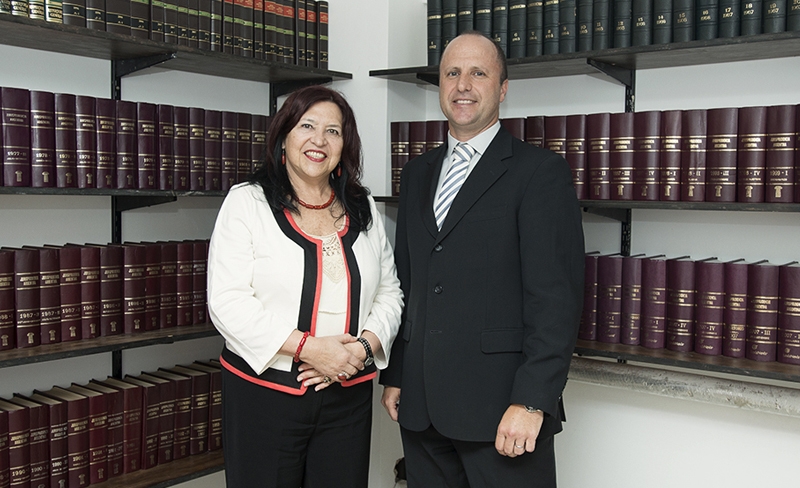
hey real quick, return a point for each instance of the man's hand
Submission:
(391, 401)
(517, 431)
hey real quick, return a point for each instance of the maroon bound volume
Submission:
(180, 148)
(169, 285)
(86, 141)
(15, 108)
(133, 287)
(66, 141)
(152, 286)
(184, 280)
(681, 297)
(215, 402)
(90, 292)
(515, 126)
(647, 155)
(166, 416)
(39, 440)
(49, 295)
(723, 140)
(98, 432)
(797, 158)
(435, 133)
(621, 156)
(780, 156)
(151, 408)
(166, 135)
(198, 441)
(182, 411)
(417, 139)
(197, 143)
(710, 283)
(111, 289)
(26, 287)
(199, 261)
(114, 425)
(671, 133)
(244, 159)
(576, 152)
(77, 434)
(588, 326)
(258, 139)
(69, 261)
(8, 339)
(762, 311)
(631, 316)
(534, 130)
(106, 110)
(654, 302)
(555, 134)
(131, 422)
(229, 146)
(213, 150)
(598, 135)
(752, 154)
(146, 146)
(609, 297)
(789, 314)
(400, 152)
(43, 139)
(694, 126)
(126, 145)
(5, 475)
(734, 314)
(19, 454)
(57, 438)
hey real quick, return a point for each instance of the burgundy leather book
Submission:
(126, 144)
(86, 141)
(49, 295)
(598, 136)
(723, 140)
(77, 434)
(631, 311)
(132, 420)
(69, 262)
(57, 439)
(258, 139)
(19, 454)
(435, 133)
(43, 139)
(90, 292)
(694, 126)
(180, 178)
(400, 152)
(26, 297)
(38, 441)
(647, 155)
(516, 126)
(185, 282)
(654, 302)
(198, 440)
(215, 402)
(118, 17)
(734, 313)
(681, 299)
(166, 416)
(197, 143)
(621, 156)
(709, 311)
(555, 133)
(213, 150)
(15, 109)
(106, 110)
(146, 150)
(66, 141)
(244, 159)
(417, 139)
(152, 286)
(534, 130)
(752, 154)
(780, 157)
(230, 136)
(111, 290)
(98, 432)
(199, 264)
(227, 27)
(797, 157)
(166, 136)
(322, 30)
(182, 413)
(151, 408)
(609, 297)
(671, 133)
(133, 287)
(168, 304)
(762, 311)
(114, 424)
(576, 153)
(5, 474)
(789, 314)
(8, 337)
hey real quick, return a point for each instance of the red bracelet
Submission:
(300, 346)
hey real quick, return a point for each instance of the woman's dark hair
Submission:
(271, 175)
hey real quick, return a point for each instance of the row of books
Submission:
(85, 434)
(74, 141)
(528, 28)
(287, 31)
(743, 154)
(733, 308)
(53, 294)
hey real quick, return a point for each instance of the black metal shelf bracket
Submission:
(124, 67)
(624, 217)
(120, 204)
(625, 76)
(432, 78)
(279, 89)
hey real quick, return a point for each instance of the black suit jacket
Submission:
(493, 300)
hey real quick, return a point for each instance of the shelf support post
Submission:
(120, 204)
(123, 67)
(625, 76)
(116, 364)
(621, 215)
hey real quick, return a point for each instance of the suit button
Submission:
(437, 289)
(438, 248)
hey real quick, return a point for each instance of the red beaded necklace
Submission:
(318, 207)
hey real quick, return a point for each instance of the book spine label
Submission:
(213, 150)
(751, 154)
(598, 133)
(180, 176)
(601, 32)
(43, 139)
(780, 154)
(683, 20)
(662, 21)
(146, 157)
(622, 22)
(133, 285)
(710, 282)
(631, 313)
(152, 287)
(654, 303)
(693, 155)
(16, 137)
(106, 143)
(197, 161)
(681, 297)
(751, 17)
(762, 312)
(621, 156)
(576, 153)
(78, 442)
(609, 298)
(66, 141)
(642, 22)
(647, 155)
(670, 155)
(734, 314)
(730, 15)
(555, 130)
(707, 19)
(90, 292)
(723, 141)
(26, 297)
(70, 293)
(111, 290)
(86, 141)
(126, 144)
(166, 136)
(49, 295)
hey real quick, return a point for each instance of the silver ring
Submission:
(326, 379)
(519, 447)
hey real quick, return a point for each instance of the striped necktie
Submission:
(453, 180)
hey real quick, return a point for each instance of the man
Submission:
(489, 252)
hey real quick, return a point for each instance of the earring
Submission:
(283, 158)
(339, 171)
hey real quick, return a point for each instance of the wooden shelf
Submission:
(743, 48)
(25, 190)
(80, 41)
(170, 474)
(691, 360)
(85, 347)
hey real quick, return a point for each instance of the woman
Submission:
(302, 286)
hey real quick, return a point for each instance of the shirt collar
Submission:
(480, 142)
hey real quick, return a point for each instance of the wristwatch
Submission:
(370, 358)
(530, 409)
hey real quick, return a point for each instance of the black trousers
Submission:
(435, 461)
(274, 439)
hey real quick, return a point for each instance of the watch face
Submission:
(368, 362)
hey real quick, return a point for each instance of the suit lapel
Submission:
(434, 168)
